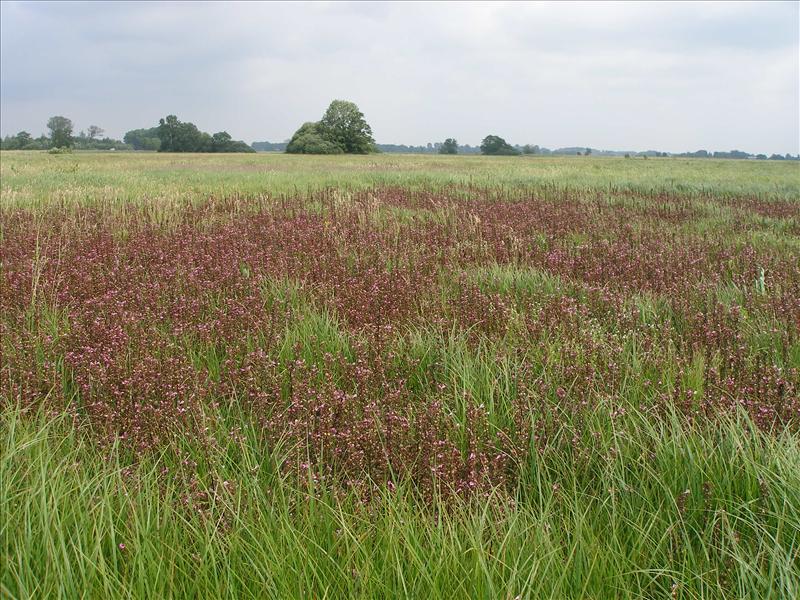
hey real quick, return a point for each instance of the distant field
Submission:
(250, 376)
(35, 177)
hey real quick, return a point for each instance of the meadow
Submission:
(275, 376)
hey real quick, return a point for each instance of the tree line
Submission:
(170, 135)
(343, 129)
(61, 136)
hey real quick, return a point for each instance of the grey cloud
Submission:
(671, 76)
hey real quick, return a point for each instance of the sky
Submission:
(626, 75)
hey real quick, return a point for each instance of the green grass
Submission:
(606, 525)
(112, 179)
(622, 502)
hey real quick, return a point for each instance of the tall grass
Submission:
(164, 180)
(659, 511)
(515, 378)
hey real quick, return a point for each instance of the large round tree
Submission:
(309, 139)
(60, 131)
(342, 129)
(494, 145)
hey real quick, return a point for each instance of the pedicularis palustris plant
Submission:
(311, 316)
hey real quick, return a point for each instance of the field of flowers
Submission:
(422, 377)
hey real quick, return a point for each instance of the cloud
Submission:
(668, 76)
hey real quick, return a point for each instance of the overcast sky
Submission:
(667, 76)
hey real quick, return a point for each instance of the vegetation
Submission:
(93, 141)
(124, 180)
(398, 377)
(736, 154)
(60, 132)
(310, 139)
(449, 146)
(61, 138)
(493, 145)
(178, 136)
(94, 132)
(21, 141)
(143, 139)
(24, 141)
(342, 130)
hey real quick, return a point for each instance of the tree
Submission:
(493, 145)
(588, 152)
(449, 146)
(23, 138)
(95, 132)
(344, 124)
(528, 149)
(17, 142)
(60, 131)
(176, 136)
(223, 142)
(172, 135)
(310, 139)
(143, 139)
(341, 129)
(168, 133)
